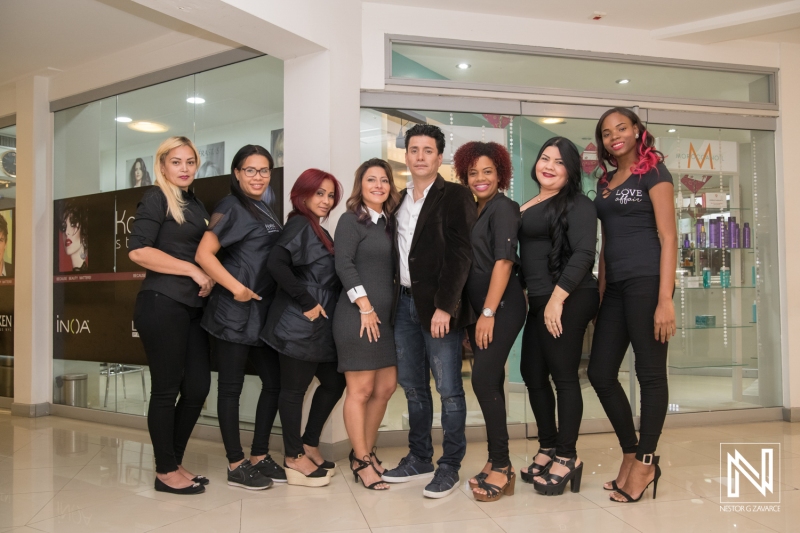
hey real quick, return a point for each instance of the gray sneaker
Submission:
(444, 482)
(410, 467)
(269, 468)
(247, 477)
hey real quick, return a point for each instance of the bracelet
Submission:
(371, 310)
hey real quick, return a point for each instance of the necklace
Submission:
(269, 216)
(538, 198)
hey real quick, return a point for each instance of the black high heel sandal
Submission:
(492, 493)
(361, 466)
(557, 489)
(628, 498)
(528, 476)
(480, 476)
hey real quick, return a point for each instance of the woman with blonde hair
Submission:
(362, 328)
(169, 223)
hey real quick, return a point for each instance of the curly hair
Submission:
(466, 156)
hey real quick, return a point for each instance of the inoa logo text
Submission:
(72, 325)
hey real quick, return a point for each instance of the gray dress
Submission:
(364, 257)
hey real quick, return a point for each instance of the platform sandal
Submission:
(477, 478)
(317, 478)
(528, 476)
(554, 484)
(493, 492)
(367, 463)
(654, 482)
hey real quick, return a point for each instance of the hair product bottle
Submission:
(746, 236)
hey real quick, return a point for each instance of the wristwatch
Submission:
(488, 313)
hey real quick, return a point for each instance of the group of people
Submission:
(411, 271)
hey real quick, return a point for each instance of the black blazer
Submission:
(9, 269)
(441, 254)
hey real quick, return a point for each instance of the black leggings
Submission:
(178, 355)
(232, 362)
(489, 368)
(626, 317)
(296, 376)
(544, 356)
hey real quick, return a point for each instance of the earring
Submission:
(637, 135)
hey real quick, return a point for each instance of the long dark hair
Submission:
(146, 179)
(236, 188)
(307, 184)
(559, 206)
(356, 201)
(647, 157)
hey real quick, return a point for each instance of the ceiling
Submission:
(60, 35)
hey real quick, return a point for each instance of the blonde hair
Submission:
(173, 193)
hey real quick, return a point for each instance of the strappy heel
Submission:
(477, 478)
(614, 485)
(374, 458)
(654, 482)
(367, 463)
(554, 484)
(528, 476)
(493, 492)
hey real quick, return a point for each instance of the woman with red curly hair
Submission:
(636, 278)
(299, 328)
(495, 293)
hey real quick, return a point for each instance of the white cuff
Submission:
(355, 293)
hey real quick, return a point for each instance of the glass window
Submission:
(8, 204)
(507, 70)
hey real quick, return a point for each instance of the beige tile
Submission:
(592, 490)
(224, 519)
(301, 514)
(405, 505)
(485, 525)
(127, 477)
(49, 456)
(594, 520)
(527, 501)
(36, 480)
(18, 509)
(786, 520)
(217, 493)
(23, 529)
(705, 481)
(67, 501)
(673, 456)
(692, 515)
(127, 515)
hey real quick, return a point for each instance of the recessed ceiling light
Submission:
(196, 100)
(623, 81)
(671, 130)
(463, 66)
(148, 127)
(553, 121)
(123, 119)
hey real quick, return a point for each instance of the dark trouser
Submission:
(544, 356)
(626, 317)
(417, 353)
(489, 368)
(232, 358)
(296, 376)
(178, 354)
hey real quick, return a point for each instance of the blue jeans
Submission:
(417, 353)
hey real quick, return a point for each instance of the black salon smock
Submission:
(246, 243)
(306, 274)
(493, 237)
(154, 228)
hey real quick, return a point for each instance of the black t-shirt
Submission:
(632, 248)
(536, 245)
(494, 235)
(154, 228)
(246, 243)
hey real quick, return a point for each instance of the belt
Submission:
(405, 290)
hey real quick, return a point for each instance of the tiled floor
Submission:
(62, 475)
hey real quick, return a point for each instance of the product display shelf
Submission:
(717, 289)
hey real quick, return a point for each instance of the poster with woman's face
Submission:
(140, 171)
(6, 243)
(73, 237)
(276, 148)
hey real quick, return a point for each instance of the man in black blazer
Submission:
(433, 225)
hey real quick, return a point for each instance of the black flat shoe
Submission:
(203, 480)
(554, 484)
(197, 488)
(528, 476)
(654, 482)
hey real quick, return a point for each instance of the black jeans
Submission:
(178, 354)
(544, 356)
(296, 376)
(489, 368)
(232, 362)
(626, 317)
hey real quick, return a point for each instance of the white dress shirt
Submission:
(358, 291)
(407, 216)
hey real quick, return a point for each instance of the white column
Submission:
(33, 305)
